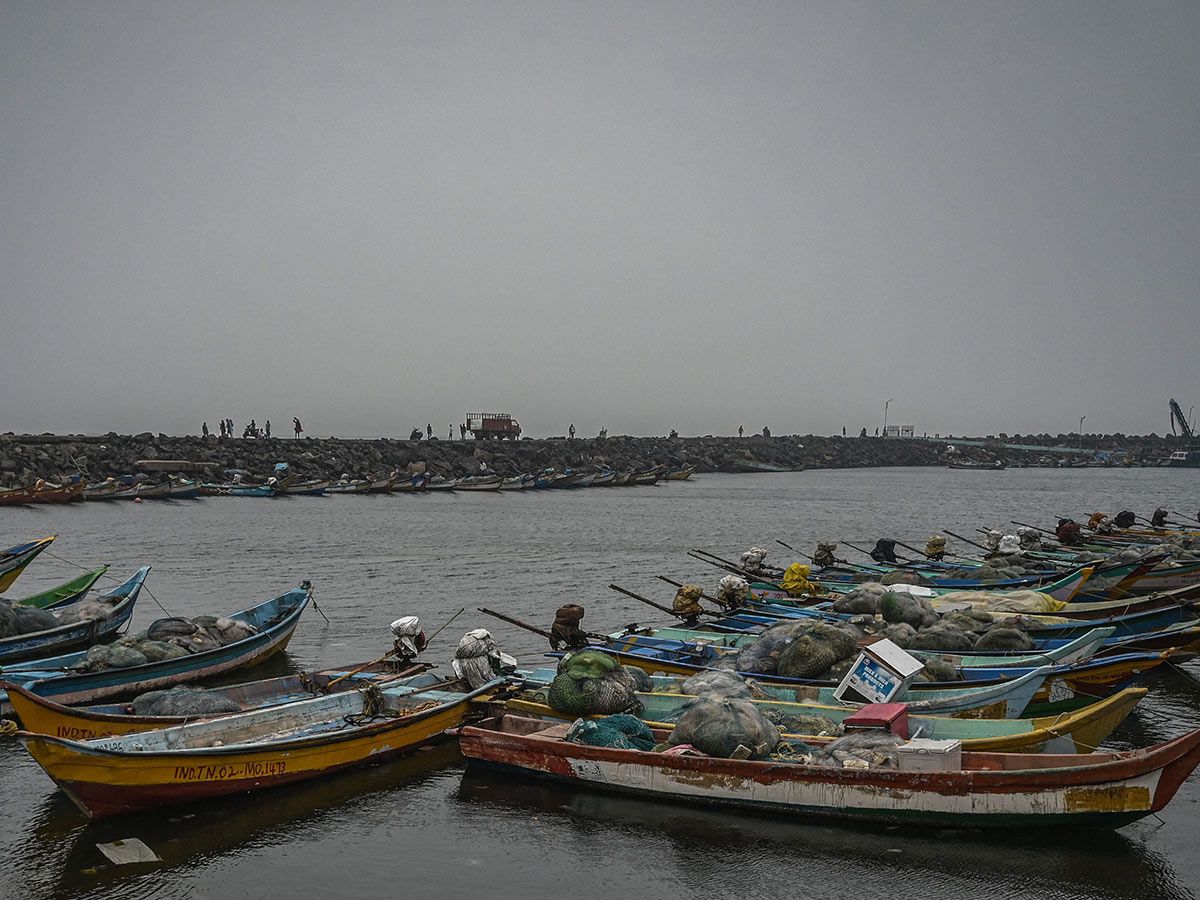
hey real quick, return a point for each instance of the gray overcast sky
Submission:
(643, 216)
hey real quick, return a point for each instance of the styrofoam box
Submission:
(930, 755)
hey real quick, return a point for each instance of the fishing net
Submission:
(154, 651)
(901, 634)
(943, 637)
(29, 620)
(183, 701)
(900, 607)
(752, 560)
(864, 599)
(621, 732)
(8, 619)
(566, 631)
(723, 685)
(761, 657)
(1125, 518)
(824, 557)
(804, 723)
(937, 669)
(732, 729)
(976, 621)
(478, 658)
(839, 669)
(902, 576)
(161, 629)
(589, 682)
(732, 591)
(815, 651)
(90, 610)
(687, 601)
(878, 751)
(110, 656)
(1001, 637)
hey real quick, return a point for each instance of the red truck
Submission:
(493, 425)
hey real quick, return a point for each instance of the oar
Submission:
(844, 562)
(546, 634)
(658, 606)
(392, 652)
(735, 569)
(1182, 516)
(1034, 527)
(429, 639)
(868, 552)
(360, 668)
(966, 540)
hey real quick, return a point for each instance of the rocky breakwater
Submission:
(26, 458)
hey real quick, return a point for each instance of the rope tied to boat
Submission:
(8, 728)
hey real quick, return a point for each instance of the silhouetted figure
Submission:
(204, 429)
(571, 431)
(740, 431)
(297, 427)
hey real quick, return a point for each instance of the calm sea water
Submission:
(423, 826)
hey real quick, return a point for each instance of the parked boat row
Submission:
(760, 694)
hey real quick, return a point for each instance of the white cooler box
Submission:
(930, 755)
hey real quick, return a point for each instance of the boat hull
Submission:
(1113, 791)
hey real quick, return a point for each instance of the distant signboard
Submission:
(898, 430)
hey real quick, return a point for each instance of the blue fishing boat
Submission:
(59, 678)
(77, 634)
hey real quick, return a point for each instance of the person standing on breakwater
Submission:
(428, 430)
(267, 430)
(297, 427)
(740, 430)
(450, 433)
(204, 429)
(571, 431)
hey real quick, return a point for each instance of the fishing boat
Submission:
(102, 490)
(1066, 687)
(604, 479)
(45, 492)
(346, 486)
(1080, 731)
(648, 477)
(384, 484)
(1078, 649)
(43, 716)
(753, 465)
(183, 489)
(516, 483)
(994, 466)
(312, 488)
(680, 474)
(60, 678)
(986, 789)
(441, 483)
(19, 496)
(478, 483)
(410, 484)
(64, 594)
(144, 491)
(121, 599)
(14, 560)
(253, 750)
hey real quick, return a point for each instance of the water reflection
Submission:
(186, 836)
(879, 860)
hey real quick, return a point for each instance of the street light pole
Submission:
(1081, 418)
(885, 412)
